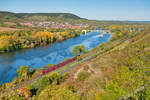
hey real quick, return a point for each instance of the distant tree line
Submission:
(11, 41)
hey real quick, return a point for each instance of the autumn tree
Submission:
(58, 92)
(24, 72)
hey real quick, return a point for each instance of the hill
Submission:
(9, 16)
(18, 18)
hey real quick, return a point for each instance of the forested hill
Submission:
(9, 16)
(58, 17)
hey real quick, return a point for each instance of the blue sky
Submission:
(91, 9)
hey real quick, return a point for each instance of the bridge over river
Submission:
(98, 31)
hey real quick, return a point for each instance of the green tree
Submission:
(42, 83)
(76, 50)
(82, 48)
(54, 78)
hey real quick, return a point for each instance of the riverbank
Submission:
(28, 39)
(42, 56)
(112, 46)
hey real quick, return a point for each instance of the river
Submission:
(41, 56)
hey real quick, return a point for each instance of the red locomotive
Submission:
(59, 65)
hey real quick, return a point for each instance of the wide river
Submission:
(42, 56)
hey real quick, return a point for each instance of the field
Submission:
(6, 29)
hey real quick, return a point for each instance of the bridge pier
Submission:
(85, 31)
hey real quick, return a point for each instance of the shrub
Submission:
(86, 67)
(82, 76)
(42, 83)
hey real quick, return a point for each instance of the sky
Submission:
(131, 10)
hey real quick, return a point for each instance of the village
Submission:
(57, 25)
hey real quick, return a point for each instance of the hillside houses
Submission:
(50, 24)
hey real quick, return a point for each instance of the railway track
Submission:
(40, 76)
(31, 80)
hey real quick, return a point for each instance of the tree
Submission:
(42, 83)
(76, 50)
(26, 91)
(24, 72)
(59, 92)
(51, 37)
(5, 43)
(59, 38)
(64, 34)
(82, 48)
(54, 78)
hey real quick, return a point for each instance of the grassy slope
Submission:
(106, 77)
(119, 72)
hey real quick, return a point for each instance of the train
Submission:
(59, 65)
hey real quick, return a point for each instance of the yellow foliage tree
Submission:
(26, 91)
